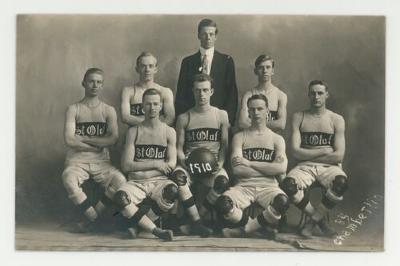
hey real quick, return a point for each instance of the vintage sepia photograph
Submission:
(206, 132)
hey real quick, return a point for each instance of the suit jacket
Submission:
(225, 90)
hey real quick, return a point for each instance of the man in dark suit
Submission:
(208, 61)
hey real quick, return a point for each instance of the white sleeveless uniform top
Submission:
(149, 146)
(89, 121)
(136, 100)
(317, 131)
(258, 148)
(272, 97)
(203, 131)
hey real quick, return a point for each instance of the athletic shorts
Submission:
(139, 190)
(306, 174)
(243, 194)
(208, 182)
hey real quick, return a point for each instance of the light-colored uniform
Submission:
(141, 184)
(82, 165)
(204, 131)
(136, 100)
(260, 189)
(316, 132)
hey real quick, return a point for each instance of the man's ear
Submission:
(212, 91)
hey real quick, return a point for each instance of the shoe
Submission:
(133, 232)
(233, 232)
(307, 230)
(166, 235)
(269, 233)
(326, 229)
(201, 230)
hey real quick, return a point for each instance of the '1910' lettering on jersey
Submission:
(150, 152)
(91, 129)
(259, 154)
(203, 134)
(316, 139)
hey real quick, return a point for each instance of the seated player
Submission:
(277, 99)
(90, 127)
(149, 156)
(131, 100)
(202, 126)
(318, 143)
(258, 155)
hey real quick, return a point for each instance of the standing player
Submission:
(149, 156)
(90, 127)
(203, 126)
(318, 142)
(277, 99)
(258, 155)
(131, 102)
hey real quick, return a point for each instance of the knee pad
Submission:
(221, 184)
(170, 193)
(339, 185)
(289, 186)
(179, 177)
(122, 199)
(280, 203)
(224, 204)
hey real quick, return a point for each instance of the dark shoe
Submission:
(133, 232)
(201, 230)
(307, 230)
(233, 232)
(166, 235)
(326, 229)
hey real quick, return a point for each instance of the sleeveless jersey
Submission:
(89, 121)
(136, 101)
(272, 97)
(203, 131)
(149, 145)
(258, 148)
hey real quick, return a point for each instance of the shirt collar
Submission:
(208, 52)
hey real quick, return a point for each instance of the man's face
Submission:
(93, 84)
(318, 95)
(207, 37)
(202, 92)
(258, 111)
(264, 71)
(147, 68)
(152, 106)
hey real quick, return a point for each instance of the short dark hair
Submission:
(202, 77)
(91, 71)
(144, 54)
(207, 23)
(258, 97)
(151, 91)
(262, 58)
(318, 82)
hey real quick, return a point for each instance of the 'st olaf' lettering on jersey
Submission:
(259, 154)
(316, 139)
(91, 129)
(152, 152)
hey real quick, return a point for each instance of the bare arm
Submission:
(224, 138)
(168, 106)
(280, 123)
(339, 145)
(71, 139)
(276, 167)
(127, 118)
(239, 170)
(244, 120)
(180, 135)
(112, 131)
(171, 150)
(299, 153)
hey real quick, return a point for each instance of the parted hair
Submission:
(91, 71)
(207, 23)
(258, 97)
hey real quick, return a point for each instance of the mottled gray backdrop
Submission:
(54, 51)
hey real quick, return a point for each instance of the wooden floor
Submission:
(52, 237)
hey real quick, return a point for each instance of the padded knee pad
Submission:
(224, 204)
(179, 177)
(289, 186)
(122, 199)
(281, 203)
(221, 184)
(339, 185)
(170, 193)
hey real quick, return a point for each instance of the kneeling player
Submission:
(318, 143)
(258, 155)
(90, 127)
(149, 156)
(203, 126)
